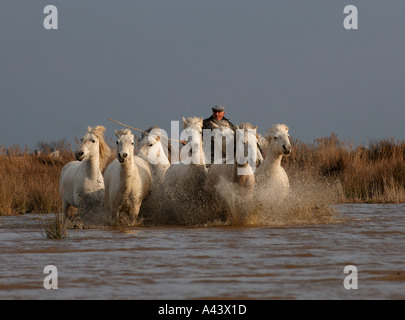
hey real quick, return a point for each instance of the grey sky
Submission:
(149, 62)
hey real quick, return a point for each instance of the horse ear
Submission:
(157, 138)
(88, 129)
(237, 127)
(117, 134)
(255, 128)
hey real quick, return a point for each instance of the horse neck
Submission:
(142, 152)
(240, 178)
(92, 165)
(272, 162)
(202, 160)
(129, 169)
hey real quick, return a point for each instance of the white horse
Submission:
(233, 181)
(128, 181)
(81, 182)
(184, 181)
(271, 176)
(155, 150)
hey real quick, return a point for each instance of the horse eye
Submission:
(132, 143)
(93, 141)
(116, 142)
(275, 138)
(150, 145)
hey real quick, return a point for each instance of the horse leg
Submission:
(65, 208)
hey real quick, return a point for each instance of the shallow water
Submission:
(296, 262)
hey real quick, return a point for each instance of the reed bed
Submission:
(375, 174)
(30, 183)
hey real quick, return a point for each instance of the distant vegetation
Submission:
(367, 175)
(30, 181)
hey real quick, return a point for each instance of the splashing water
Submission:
(309, 201)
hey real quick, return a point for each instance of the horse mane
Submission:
(104, 149)
(193, 120)
(147, 131)
(123, 132)
(163, 137)
(247, 126)
(279, 127)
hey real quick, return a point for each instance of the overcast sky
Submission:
(153, 61)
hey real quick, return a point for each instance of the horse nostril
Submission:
(122, 155)
(79, 155)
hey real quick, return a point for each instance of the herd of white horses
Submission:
(143, 183)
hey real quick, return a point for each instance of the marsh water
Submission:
(304, 261)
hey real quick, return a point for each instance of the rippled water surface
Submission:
(298, 262)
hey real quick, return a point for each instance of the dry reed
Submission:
(55, 227)
(29, 182)
(368, 175)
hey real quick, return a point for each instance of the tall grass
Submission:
(55, 227)
(29, 183)
(368, 175)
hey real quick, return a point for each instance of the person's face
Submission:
(218, 115)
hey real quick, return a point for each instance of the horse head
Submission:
(224, 143)
(154, 146)
(192, 134)
(193, 131)
(279, 140)
(89, 144)
(125, 144)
